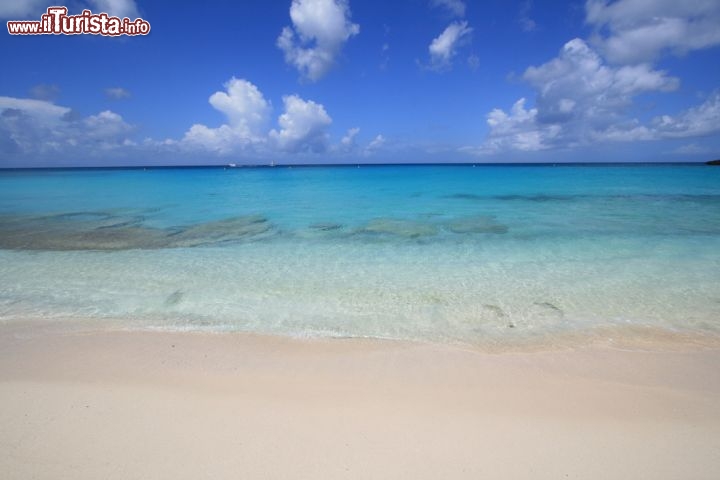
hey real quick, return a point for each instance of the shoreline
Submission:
(640, 338)
(114, 404)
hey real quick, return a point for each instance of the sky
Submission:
(349, 81)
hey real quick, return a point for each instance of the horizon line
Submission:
(356, 165)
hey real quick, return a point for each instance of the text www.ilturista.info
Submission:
(57, 22)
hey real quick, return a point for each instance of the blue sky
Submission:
(334, 81)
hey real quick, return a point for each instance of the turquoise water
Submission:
(440, 253)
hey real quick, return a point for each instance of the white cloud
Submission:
(223, 139)
(577, 85)
(106, 124)
(40, 131)
(320, 29)
(697, 121)
(29, 126)
(522, 131)
(444, 47)
(117, 93)
(454, 7)
(44, 111)
(518, 130)
(632, 31)
(246, 111)
(243, 104)
(18, 9)
(303, 126)
(347, 142)
(375, 144)
(627, 131)
(581, 100)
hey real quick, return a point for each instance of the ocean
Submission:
(455, 253)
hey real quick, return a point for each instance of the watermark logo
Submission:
(56, 21)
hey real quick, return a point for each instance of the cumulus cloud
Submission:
(303, 126)
(585, 95)
(117, 93)
(42, 132)
(453, 7)
(521, 130)
(376, 144)
(703, 119)
(518, 130)
(697, 121)
(578, 83)
(223, 139)
(633, 31)
(106, 124)
(243, 104)
(44, 111)
(444, 47)
(347, 142)
(320, 29)
(246, 111)
(32, 127)
(579, 100)
(17, 9)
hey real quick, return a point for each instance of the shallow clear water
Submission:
(440, 253)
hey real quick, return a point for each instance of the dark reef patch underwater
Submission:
(110, 231)
(106, 231)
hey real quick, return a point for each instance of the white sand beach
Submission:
(119, 405)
